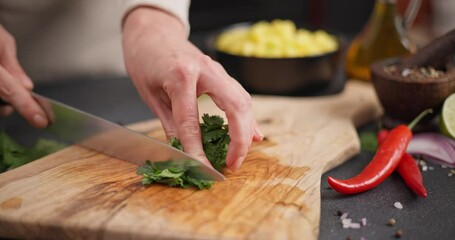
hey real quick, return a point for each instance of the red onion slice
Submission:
(435, 146)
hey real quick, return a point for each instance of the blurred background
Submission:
(347, 16)
(434, 18)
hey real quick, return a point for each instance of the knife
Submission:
(72, 125)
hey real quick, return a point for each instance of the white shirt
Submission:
(60, 39)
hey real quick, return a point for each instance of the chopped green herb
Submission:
(13, 155)
(215, 140)
(175, 142)
(368, 141)
(172, 174)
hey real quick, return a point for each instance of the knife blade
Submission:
(75, 126)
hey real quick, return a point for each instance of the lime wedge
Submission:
(447, 120)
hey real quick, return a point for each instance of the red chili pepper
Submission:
(408, 169)
(382, 135)
(384, 162)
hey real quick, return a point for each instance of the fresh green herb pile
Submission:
(171, 174)
(215, 140)
(13, 155)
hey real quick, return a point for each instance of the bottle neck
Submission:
(384, 10)
(384, 17)
(384, 20)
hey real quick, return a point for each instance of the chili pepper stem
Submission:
(419, 117)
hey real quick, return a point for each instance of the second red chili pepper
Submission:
(408, 169)
(384, 162)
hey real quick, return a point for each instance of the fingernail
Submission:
(28, 84)
(39, 120)
(228, 163)
(235, 165)
(259, 134)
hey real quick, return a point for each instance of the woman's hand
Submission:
(170, 73)
(15, 86)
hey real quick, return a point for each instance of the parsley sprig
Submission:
(171, 174)
(215, 141)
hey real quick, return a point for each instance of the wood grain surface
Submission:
(80, 194)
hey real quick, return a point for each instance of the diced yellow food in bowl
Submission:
(275, 39)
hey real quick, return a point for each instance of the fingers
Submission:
(230, 97)
(12, 65)
(258, 135)
(161, 105)
(16, 71)
(15, 85)
(240, 139)
(13, 92)
(182, 93)
(8, 59)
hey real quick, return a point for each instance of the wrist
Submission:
(144, 20)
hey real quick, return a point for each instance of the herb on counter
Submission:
(13, 155)
(384, 162)
(215, 140)
(368, 141)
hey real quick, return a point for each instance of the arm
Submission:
(15, 85)
(170, 73)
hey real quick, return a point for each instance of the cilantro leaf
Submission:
(171, 174)
(215, 141)
(175, 142)
(214, 120)
(368, 141)
(13, 155)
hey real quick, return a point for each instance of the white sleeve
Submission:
(178, 8)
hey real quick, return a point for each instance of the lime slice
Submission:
(447, 120)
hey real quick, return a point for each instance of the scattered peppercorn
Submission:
(339, 213)
(391, 222)
(398, 233)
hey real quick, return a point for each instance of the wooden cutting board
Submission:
(80, 194)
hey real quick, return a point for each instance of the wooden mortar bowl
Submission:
(403, 99)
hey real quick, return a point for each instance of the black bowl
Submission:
(281, 76)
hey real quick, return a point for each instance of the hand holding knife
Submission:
(75, 126)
